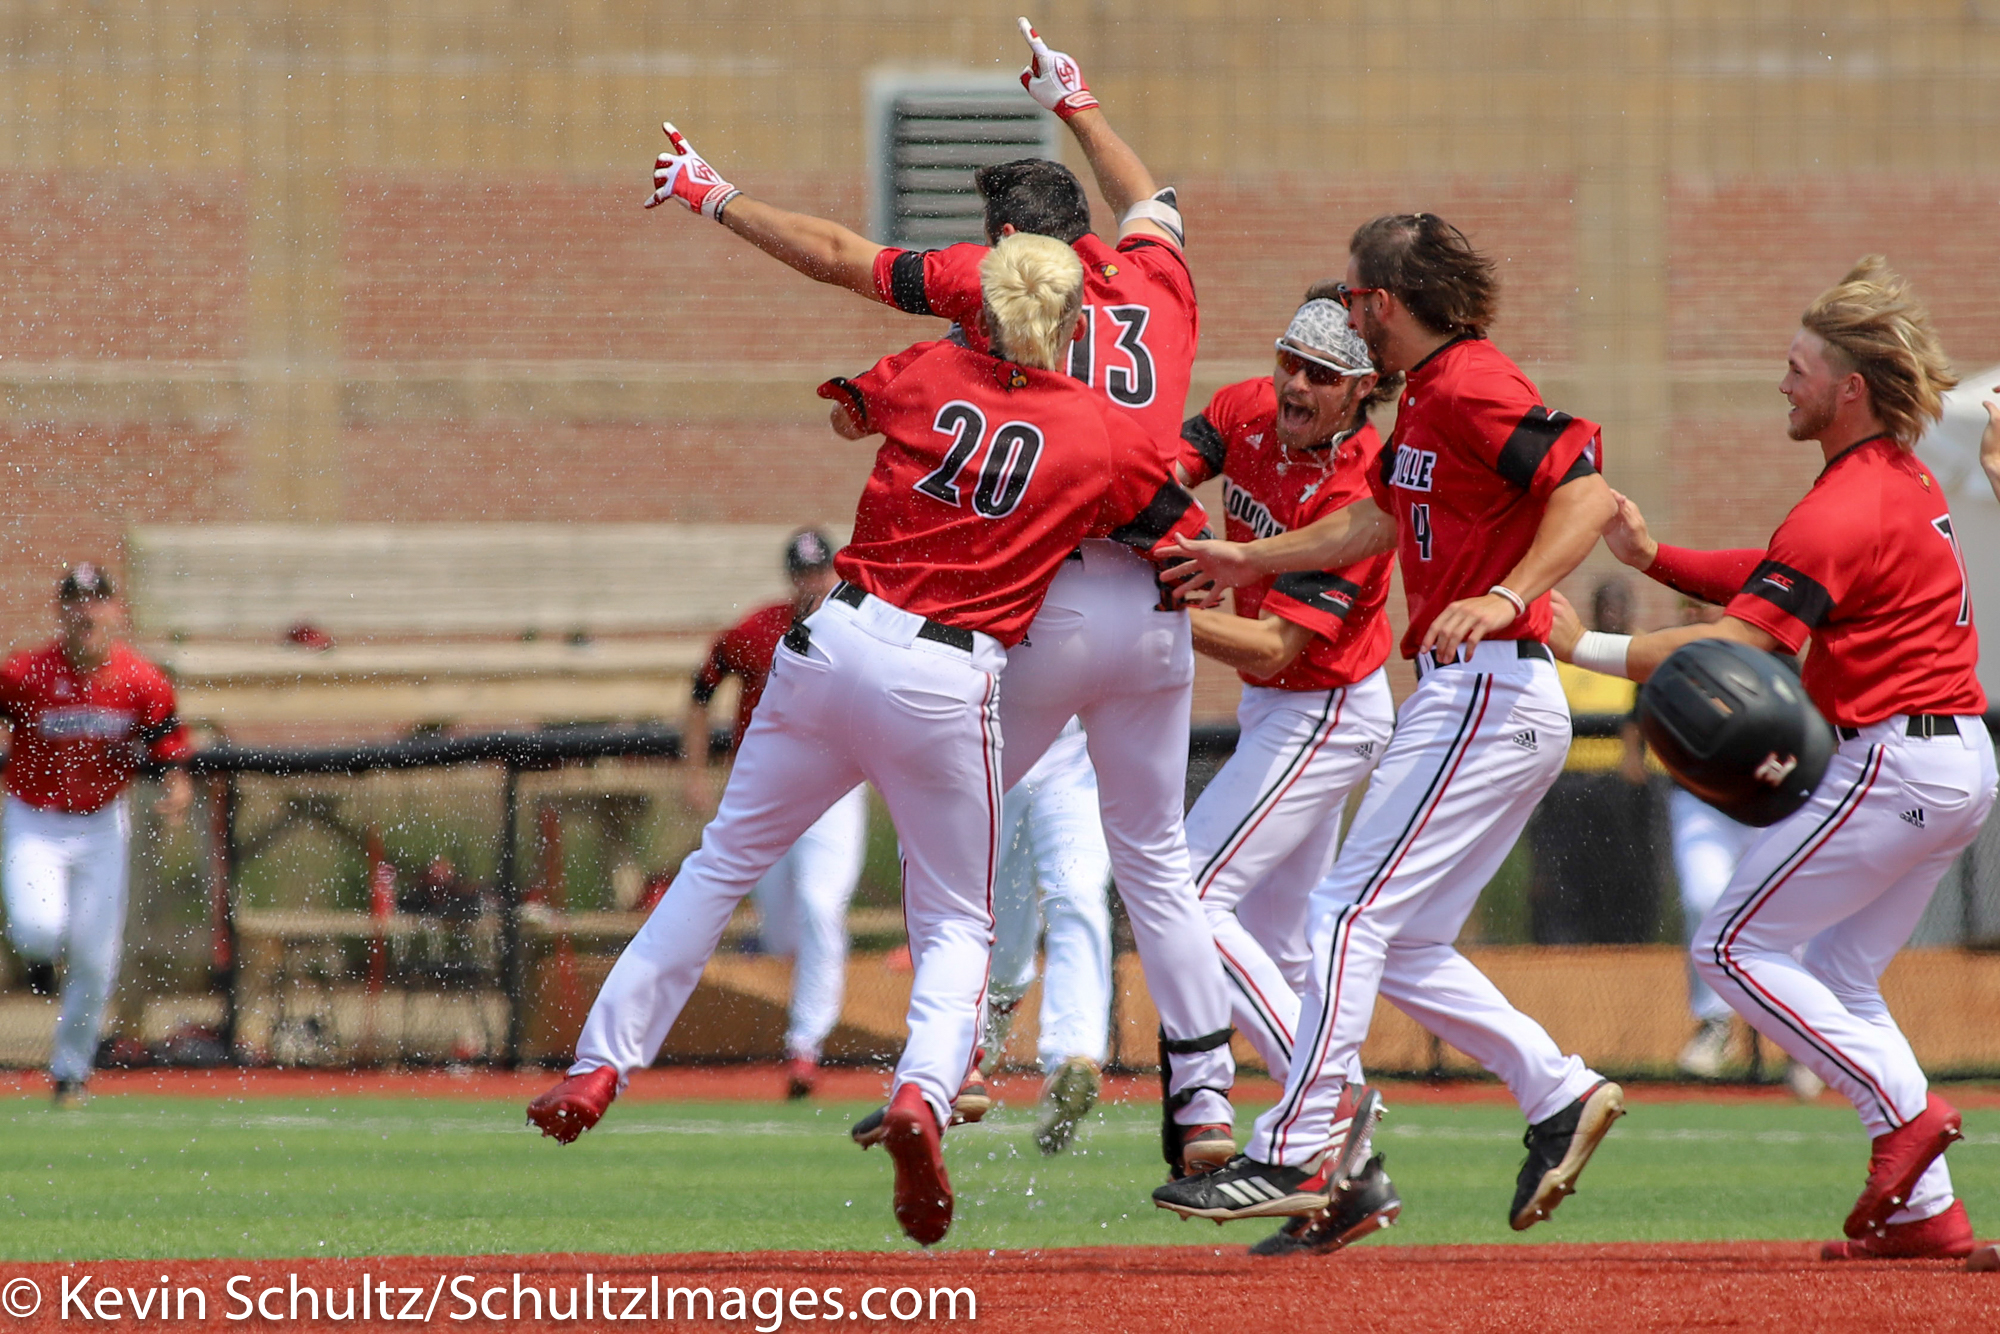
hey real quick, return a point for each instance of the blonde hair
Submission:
(1872, 324)
(1033, 288)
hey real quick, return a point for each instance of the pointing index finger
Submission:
(1035, 44)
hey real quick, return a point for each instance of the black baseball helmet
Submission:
(1733, 725)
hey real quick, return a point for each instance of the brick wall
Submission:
(116, 275)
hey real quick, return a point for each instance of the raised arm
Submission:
(824, 251)
(1710, 576)
(1055, 81)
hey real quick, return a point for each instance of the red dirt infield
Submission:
(1547, 1289)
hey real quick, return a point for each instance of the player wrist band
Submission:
(1502, 591)
(1599, 652)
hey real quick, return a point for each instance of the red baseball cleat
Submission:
(1948, 1236)
(575, 1105)
(801, 1077)
(1898, 1159)
(923, 1191)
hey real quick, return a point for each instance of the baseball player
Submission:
(1054, 874)
(1100, 649)
(83, 713)
(1488, 497)
(1989, 446)
(1867, 567)
(802, 900)
(1315, 713)
(993, 468)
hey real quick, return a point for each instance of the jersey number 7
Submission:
(1010, 461)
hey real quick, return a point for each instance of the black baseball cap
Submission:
(84, 580)
(809, 549)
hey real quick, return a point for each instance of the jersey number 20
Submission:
(1010, 460)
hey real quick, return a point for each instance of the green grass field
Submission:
(141, 1177)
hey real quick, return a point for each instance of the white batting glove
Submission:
(681, 173)
(1053, 79)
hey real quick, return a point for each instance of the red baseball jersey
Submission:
(745, 650)
(990, 475)
(1269, 489)
(77, 741)
(1467, 474)
(1144, 328)
(1868, 567)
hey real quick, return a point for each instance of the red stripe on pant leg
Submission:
(1270, 803)
(1261, 1004)
(1741, 975)
(1352, 914)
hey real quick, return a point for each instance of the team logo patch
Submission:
(1111, 270)
(1775, 770)
(1915, 817)
(1527, 740)
(1779, 581)
(1017, 378)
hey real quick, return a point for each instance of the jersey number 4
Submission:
(1943, 524)
(1010, 461)
(1129, 386)
(1420, 529)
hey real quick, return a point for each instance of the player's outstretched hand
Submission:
(1989, 446)
(1627, 537)
(682, 174)
(1052, 78)
(1467, 622)
(1567, 629)
(1210, 564)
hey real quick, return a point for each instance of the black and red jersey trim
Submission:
(1796, 594)
(1321, 590)
(1207, 440)
(906, 283)
(843, 386)
(1167, 507)
(1533, 437)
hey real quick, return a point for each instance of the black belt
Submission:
(1924, 725)
(1523, 648)
(949, 635)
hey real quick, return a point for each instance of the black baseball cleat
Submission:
(1246, 1188)
(1558, 1149)
(1369, 1204)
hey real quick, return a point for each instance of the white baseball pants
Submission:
(802, 907)
(1263, 833)
(1100, 650)
(1707, 847)
(1476, 745)
(1846, 877)
(868, 700)
(1051, 837)
(65, 884)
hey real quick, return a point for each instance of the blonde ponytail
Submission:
(1033, 288)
